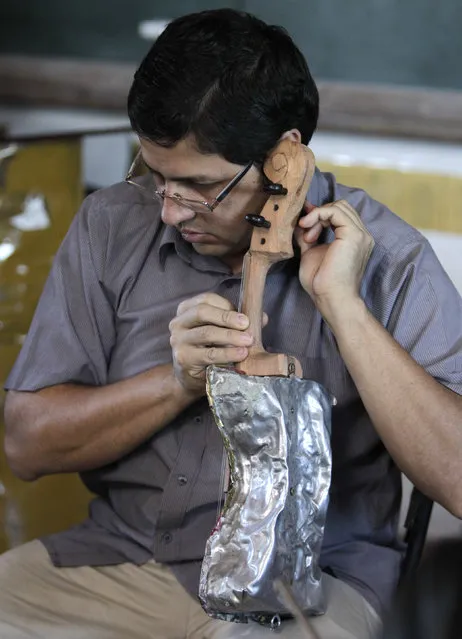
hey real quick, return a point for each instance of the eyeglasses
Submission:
(139, 168)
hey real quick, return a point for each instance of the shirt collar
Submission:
(320, 191)
(171, 240)
(169, 237)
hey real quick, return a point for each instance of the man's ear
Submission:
(293, 134)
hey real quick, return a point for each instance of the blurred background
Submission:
(391, 122)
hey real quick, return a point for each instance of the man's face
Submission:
(182, 170)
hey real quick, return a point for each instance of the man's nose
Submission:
(173, 213)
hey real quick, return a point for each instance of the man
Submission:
(142, 297)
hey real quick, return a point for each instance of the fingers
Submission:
(334, 214)
(214, 310)
(339, 215)
(307, 207)
(207, 330)
(209, 334)
(211, 299)
(311, 236)
(190, 357)
(209, 308)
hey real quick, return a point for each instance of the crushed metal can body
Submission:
(276, 432)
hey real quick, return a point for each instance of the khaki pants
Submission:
(40, 601)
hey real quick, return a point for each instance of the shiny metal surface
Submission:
(276, 432)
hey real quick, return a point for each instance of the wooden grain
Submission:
(292, 165)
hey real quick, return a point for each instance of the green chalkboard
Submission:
(413, 42)
(102, 29)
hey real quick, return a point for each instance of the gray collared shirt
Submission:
(103, 316)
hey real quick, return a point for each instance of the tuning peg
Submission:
(274, 189)
(258, 220)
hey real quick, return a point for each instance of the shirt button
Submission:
(198, 419)
(166, 538)
(182, 480)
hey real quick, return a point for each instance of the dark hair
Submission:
(429, 605)
(232, 81)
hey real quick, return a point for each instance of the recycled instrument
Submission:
(276, 431)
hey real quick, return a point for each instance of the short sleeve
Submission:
(426, 315)
(72, 332)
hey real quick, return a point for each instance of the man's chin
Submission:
(208, 249)
(232, 258)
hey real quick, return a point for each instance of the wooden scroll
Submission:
(292, 165)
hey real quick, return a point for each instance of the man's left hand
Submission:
(332, 273)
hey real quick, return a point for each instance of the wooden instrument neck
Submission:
(292, 165)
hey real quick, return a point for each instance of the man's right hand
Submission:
(206, 330)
